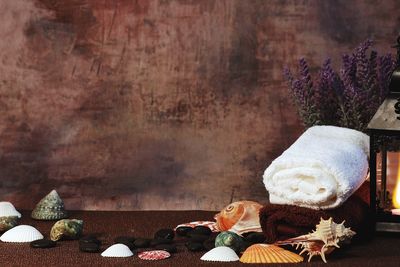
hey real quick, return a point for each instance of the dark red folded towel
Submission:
(280, 222)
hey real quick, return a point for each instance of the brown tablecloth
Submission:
(382, 251)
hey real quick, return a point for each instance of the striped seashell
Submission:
(117, 251)
(7, 209)
(21, 234)
(263, 253)
(220, 254)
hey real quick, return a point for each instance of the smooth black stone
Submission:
(122, 239)
(159, 241)
(43, 243)
(142, 242)
(194, 246)
(164, 234)
(197, 238)
(90, 247)
(254, 238)
(209, 244)
(171, 248)
(89, 239)
(183, 230)
(202, 230)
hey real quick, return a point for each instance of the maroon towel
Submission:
(280, 222)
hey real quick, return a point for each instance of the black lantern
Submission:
(384, 130)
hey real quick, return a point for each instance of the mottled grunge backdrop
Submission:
(144, 104)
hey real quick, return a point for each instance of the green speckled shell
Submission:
(232, 240)
(8, 222)
(51, 207)
(71, 229)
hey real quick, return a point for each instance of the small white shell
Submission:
(21, 234)
(7, 209)
(117, 250)
(220, 254)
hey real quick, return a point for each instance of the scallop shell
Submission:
(51, 207)
(263, 253)
(8, 222)
(8, 209)
(231, 240)
(21, 234)
(240, 217)
(66, 228)
(117, 250)
(222, 254)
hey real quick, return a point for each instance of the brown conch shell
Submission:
(327, 236)
(240, 217)
(263, 253)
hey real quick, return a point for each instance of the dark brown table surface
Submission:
(382, 251)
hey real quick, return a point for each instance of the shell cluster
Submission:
(327, 236)
(69, 228)
(263, 253)
(51, 207)
(240, 217)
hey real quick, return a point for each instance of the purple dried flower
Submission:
(348, 98)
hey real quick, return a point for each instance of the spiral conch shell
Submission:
(327, 236)
(240, 217)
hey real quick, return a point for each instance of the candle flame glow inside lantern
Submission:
(396, 191)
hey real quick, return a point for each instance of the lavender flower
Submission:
(347, 98)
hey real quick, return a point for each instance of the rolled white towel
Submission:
(321, 170)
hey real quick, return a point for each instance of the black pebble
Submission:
(197, 238)
(43, 243)
(90, 247)
(194, 246)
(171, 248)
(202, 230)
(164, 234)
(209, 244)
(254, 238)
(123, 239)
(159, 241)
(89, 239)
(183, 230)
(142, 243)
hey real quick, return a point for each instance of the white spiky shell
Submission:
(21, 234)
(327, 236)
(221, 254)
(7, 209)
(117, 250)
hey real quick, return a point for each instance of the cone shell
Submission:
(8, 209)
(21, 234)
(240, 217)
(66, 228)
(117, 251)
(51, 207)
(8, 222)
(263, 253)
(222, 254)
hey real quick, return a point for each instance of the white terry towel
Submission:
(320, 170)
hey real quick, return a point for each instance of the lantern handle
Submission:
(397, 46)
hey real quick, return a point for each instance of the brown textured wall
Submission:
(159, 104)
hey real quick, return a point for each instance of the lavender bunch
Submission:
(348, 98)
